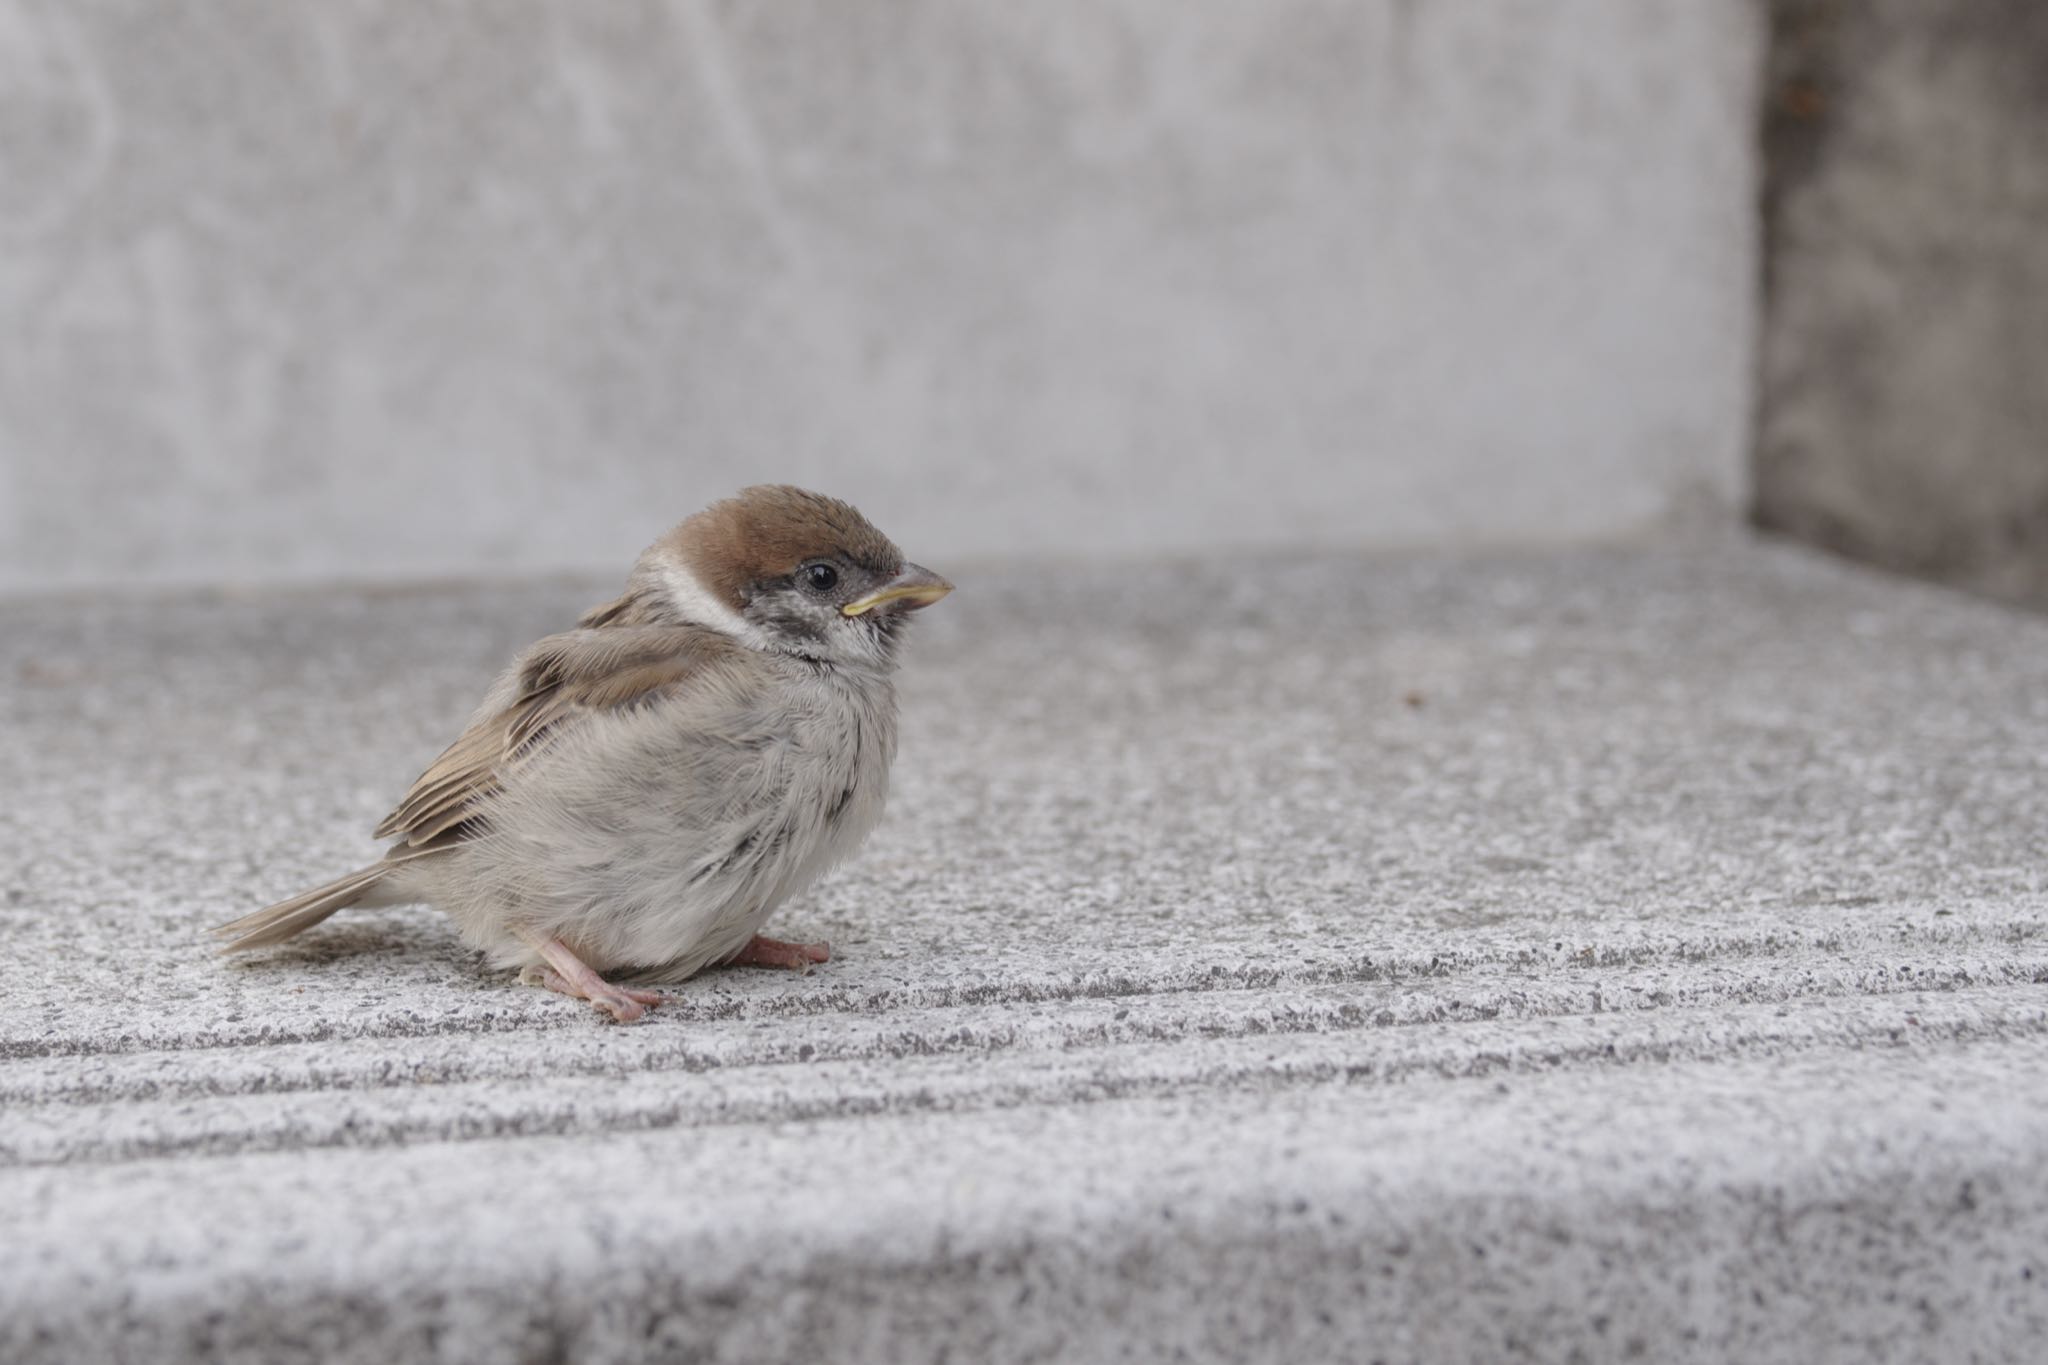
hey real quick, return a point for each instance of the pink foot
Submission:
(568, 974)
(762, 951)
(623, 1003)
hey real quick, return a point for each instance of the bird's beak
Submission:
(911, 589)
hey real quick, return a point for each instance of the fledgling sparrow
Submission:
(637, 796)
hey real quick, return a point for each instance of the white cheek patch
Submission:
(698, 605)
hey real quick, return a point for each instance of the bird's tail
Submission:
(276, 923)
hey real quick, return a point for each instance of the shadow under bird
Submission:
(636, 796)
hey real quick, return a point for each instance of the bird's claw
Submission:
(762, 951)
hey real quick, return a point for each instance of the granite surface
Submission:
(1575, 956)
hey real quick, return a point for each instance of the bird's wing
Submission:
(560, 679)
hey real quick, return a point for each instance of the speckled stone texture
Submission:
(1573, 957)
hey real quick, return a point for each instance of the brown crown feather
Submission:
(767, 531)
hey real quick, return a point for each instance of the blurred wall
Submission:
(1904, 414)
(385, 289)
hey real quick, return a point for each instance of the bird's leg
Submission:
(570, 975)
(762, 951)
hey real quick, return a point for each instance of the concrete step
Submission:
(1552, 956)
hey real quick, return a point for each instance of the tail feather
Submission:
(276, 923)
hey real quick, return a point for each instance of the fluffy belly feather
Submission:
(693, 840)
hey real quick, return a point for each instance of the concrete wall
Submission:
(387, 289)
(1904, 405)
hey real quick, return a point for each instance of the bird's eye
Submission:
(819, 577)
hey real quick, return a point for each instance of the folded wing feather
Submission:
(560, 678)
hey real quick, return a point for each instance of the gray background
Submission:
(1905, 352)
(388, 290)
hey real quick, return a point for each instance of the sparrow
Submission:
(635, 797)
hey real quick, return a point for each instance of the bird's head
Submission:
(784, 569)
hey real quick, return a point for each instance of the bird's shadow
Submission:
(340, 944)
